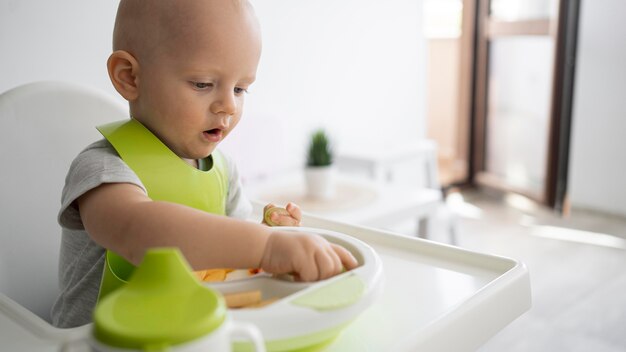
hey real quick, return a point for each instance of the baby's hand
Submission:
(276, 216)
(308, 257)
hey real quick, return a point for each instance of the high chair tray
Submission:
(434, 297)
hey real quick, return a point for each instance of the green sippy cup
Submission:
(164, 307)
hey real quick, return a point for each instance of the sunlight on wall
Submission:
(597, 171)
(443, 18)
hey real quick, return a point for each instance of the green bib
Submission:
(166, 178)
(165, 175)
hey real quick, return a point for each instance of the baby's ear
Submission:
(123, 69)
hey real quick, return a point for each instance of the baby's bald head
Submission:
(181, 36)
(146, 29)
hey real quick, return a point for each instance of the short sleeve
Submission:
(237, 204)
(97, 164)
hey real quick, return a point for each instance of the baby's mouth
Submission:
(213, 135)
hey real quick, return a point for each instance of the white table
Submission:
(356, 201)
(435, 298)
(380, 162)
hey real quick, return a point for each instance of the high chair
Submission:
(434, 297)
(43, 126)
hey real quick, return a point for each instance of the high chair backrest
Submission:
(43, 126)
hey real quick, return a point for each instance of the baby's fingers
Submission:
(279, 217)
(309, 272)
(328, 264)
(347, 259)
(295, 212)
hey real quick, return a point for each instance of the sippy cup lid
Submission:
(163, 304)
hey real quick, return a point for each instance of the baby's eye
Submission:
(202, 85)
(239, 90)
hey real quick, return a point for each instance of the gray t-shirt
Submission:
(81, 260)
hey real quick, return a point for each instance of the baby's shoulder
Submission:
(98, 155)
(100, 149)
(100, 146)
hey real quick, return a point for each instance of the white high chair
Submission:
(434, 294)
(43, 126)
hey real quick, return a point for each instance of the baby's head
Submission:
(184, 67)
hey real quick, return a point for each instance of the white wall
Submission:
(597, 174)
(355, 67)
(55, 40)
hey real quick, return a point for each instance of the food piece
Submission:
(263, 303)
(254, 271)
(242, 299)
(247, 299)
(200, 274)
(212, 275)
(268, 213)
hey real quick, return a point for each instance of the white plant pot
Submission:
(320, 181)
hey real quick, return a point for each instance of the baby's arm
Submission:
(120, 217)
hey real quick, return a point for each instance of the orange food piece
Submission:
(212, 275)
(200, 274)
(242, 299)
(216, 275)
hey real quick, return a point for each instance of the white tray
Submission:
(435, 298)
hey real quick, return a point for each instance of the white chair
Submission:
(43, 126)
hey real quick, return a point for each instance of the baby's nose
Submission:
(226, 119)
(225, 103)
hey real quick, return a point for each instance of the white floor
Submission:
(577, 267)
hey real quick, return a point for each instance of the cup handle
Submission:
(250, 332)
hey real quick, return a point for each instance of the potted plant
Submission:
(319, 172)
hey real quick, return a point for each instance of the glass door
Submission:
(520, 127)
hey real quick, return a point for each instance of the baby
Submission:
(157, 179)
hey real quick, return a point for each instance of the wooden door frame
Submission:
(467, 77)
(563, 95)
(562, 29)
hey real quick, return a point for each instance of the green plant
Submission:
(320, 152)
